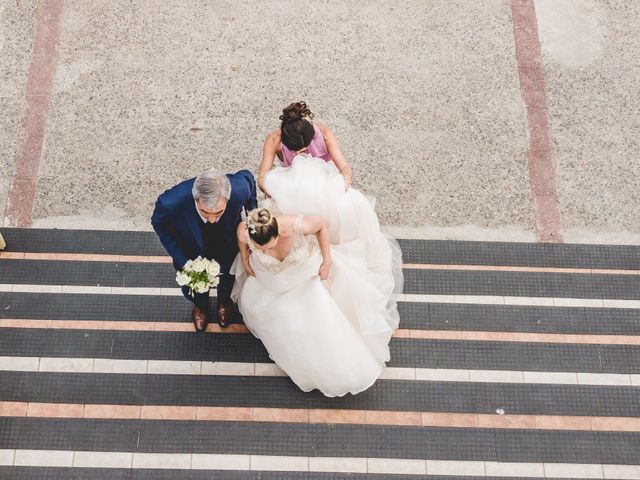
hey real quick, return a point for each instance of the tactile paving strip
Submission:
(438, 282)
(66, 473)
(280, 392)
(417, 316)
(111, 274)
(414, 251)
(222, 475)
(561, 447)
(521, 284)
(322, 439)
(70, 306)
(515, 254)
(514, 318)
(405, 352)
(62, 473)
(268, 438)
(82, 241)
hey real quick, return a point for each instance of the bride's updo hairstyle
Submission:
(297, 132)
(262, 226)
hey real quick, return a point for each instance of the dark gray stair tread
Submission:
(280, 392)
(405, 352)
(414, 250)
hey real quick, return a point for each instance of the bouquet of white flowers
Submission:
(199, 275)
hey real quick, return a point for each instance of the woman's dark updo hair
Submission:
(263, 224)
(297, 132)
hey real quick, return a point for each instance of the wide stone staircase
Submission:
(512, 360)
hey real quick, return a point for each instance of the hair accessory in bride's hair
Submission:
(250, 225)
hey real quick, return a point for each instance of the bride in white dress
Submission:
(324, 311)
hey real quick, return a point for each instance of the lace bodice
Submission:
(298, 253)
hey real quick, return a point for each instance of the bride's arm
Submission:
(336, 155)
(317, 226)
(243, 246)
(269, 151)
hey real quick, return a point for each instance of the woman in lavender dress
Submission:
(298, 136)
(314, 179)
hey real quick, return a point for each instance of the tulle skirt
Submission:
(329, 335)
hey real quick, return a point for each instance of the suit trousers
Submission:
(223, 251)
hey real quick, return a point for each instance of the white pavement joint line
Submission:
(622, 472)
(175, 292)
(186, 367)
(27, 288)
(186, 461)
(570, 470)
(514, 469)
(85, 289)
(268, 370)
(426, 298)
(453, 467)
(108, 365)
(338, 464)
(202, 461)
(229, 368)
(91, 289)
(174, 367)
(529, 301)
(102, 459)
(579, 302)
(483, 299)
(43, 458)
(604, 379)
(498, 376)
(397, 466)
(19, 364)
(567, 378)
(74, 365)
(180, 461)
(398, 373)
(279, 463)
(621, 303)
(442, 375)
(409, 297)
(6, 457)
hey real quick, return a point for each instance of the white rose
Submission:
(198, 265)
(213, 269)
(182, 278)
(214, 282)
(201, 287)
(188, 266)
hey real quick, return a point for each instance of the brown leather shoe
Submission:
(225, 314)
(199, 319)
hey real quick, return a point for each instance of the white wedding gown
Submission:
(329, 335)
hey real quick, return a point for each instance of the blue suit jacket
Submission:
(177, 223)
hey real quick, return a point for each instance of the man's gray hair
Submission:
(209, 187)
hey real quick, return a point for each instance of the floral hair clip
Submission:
(250, 225)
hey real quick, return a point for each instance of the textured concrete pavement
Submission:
(16, 45)
(424, 97)
(593, 78)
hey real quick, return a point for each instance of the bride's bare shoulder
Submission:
(286, 224)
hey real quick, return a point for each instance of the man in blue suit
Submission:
(200, 217)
